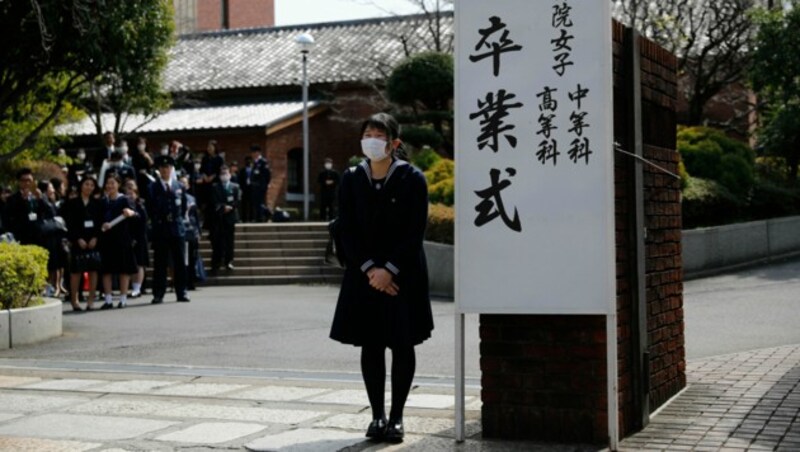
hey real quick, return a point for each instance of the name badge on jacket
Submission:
(88, 224)
(32, 216)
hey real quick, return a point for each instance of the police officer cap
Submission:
(165, 160)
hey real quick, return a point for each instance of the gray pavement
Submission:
(252, 368)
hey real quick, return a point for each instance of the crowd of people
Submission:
(100, 225)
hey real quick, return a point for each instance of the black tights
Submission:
(373, 368)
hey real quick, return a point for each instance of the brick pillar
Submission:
(544, 377)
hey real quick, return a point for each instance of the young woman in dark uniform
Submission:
(116, 243)
(83, 215)
(384, 300)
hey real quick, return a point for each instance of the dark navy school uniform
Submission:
(383, 224)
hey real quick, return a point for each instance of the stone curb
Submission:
(30, 325)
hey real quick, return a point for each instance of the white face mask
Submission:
(197, 167)
(374, 149)
(141, 146)
(81, 157)
(329, 166)
(164, 150)
(225, 178)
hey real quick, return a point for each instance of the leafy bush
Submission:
(709, 154)
(425, 158)
(441, 182)
(23, 275)
(441, 220)
(425, 77)
(708, 203)
(422, 136)
(770, 201)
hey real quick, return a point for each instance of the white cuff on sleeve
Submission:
(391, 267)
(367, 265)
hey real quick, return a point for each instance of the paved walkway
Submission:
(743, 401)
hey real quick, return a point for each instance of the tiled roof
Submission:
(344, 51)
(207, 118)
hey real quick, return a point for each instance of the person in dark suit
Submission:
(116, 165)
(259, 183)
(384, 300)
(142, 163)
(25, 210)
(225, 196)
(105, 153)
(245, 186)
(328, 181)
(84, 217)
(167, 210)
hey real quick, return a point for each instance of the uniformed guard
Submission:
(167, 210)
(225, 196)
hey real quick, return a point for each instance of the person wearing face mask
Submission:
(142, 164)
(168, 206)
(226, 197)
(259, 183)
(105, 153)
(116, 165)
(328, 181)
(384, 300)
(79, 168)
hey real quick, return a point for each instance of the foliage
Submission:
(354, 160)
(145, 35)
(441, 182)
(708, 203)
(770, 201)
(54, 50)
(441, 224)
(710, 37)
(774, 76)
(425, 158)
(23, 275)
(420, 137)
(683, 174)
(422, 88)
(709, 154)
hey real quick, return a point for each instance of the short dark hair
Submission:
(255, 148)
(24, 172)
(224, 168)
(384, 122)
(110, 176)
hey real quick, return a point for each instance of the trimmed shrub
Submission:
(422, 136)
(708, 203)
(441, 226)
(23, 275)
(709, 154)
(441, 182)
(770, 201)
(425, 158)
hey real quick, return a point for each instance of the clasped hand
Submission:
(380, 279)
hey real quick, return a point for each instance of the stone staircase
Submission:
(276, 253)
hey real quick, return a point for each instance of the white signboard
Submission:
(534, 170)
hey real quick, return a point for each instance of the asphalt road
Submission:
(286, 327)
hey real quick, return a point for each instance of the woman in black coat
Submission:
(384, 300)
(84, 215)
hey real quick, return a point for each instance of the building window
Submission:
(294, 171)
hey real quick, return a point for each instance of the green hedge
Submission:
(710, 154)
(441, 182)
(23, 275)
(441, 221)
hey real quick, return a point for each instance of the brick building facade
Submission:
(544, 377)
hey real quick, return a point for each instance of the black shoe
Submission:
(122, 305)
(376, 429)
(77, 308)
(184, 299)
(106, 306)
(394, 432)
(157, 301)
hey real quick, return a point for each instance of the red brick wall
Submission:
(251, 13)
(241, 14)
(544, 377)
(209, 15)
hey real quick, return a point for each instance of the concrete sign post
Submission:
(534, 173)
